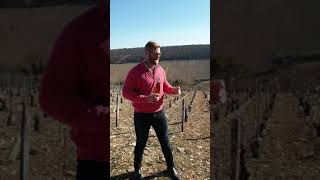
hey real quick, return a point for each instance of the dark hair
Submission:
(151, 45)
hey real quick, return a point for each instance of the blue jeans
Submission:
(142, 124)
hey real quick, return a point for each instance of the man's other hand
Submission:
(153, 97)
(177, 90)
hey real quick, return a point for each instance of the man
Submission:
(74, 89)
(145, 86)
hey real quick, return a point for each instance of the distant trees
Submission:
(226, 66)
(186, 52)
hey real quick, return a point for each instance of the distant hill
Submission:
(251, 32)
(185, 52)
(27, 34)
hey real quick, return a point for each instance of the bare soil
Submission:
(289, 148)
(190, 148)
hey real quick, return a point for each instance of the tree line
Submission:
(185, 52)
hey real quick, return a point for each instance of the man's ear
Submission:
(146, 53)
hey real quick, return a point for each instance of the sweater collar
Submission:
(148, 69)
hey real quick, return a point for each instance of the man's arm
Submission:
(59, 88)
(167, 88)
(129, 92)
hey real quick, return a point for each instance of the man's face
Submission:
(154, 56)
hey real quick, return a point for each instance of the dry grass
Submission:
(188, 71)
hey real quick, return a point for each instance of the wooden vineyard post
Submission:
(64, 148)
(182, 114)
(235, 149)
(265, 99)
(32, 101)
(185, 113)
(262, 93)
(260, 112)
(25, 144)
(8, 120)
(268, 96)
(257, 110)
(62, 134)
(117, 110)
(36, 125)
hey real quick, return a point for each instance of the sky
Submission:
(169, 22)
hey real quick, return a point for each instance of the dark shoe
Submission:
(136, 175)
(173, 174)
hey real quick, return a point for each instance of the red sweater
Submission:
(77, 79)
(139, 84)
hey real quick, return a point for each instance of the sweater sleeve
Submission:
(59, 90)
(167, 88)
(129, 89)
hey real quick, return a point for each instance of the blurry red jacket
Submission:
(139, 84)
(216, 87)
(77, 79)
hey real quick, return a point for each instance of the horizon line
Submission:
(160, 46)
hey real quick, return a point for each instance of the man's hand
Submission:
(153, 97)
(102, 110)
(177, 90)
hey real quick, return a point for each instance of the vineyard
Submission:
(267, 130)
(189, 132)
(32, 145)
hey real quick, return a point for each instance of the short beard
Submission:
(151, 62)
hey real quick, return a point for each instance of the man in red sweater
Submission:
(145, 86)
(74, 89)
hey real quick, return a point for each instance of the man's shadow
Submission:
(129, 175)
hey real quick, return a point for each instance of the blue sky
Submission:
(169, 22)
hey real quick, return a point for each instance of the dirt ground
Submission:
(47, 153)
(51, 160)
(190, 147)
(289, 148)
